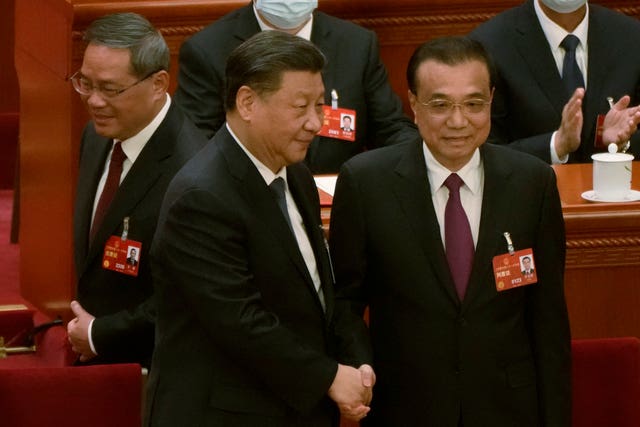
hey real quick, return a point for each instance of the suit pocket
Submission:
(246, 400)
(521, 374)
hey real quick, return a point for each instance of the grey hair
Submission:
(149, 50)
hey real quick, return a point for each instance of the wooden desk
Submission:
(602, 278)
(49, 48)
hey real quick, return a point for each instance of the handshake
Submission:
(352, 390)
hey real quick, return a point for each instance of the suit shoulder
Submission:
(383, 157)
(215, 35)
(615, 21)
(496, 26)
(187, 139)
(520, 160)
(343, 28)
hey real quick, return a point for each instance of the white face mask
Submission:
(286, 14)
(564, 6)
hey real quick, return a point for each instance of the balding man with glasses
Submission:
(130, 150)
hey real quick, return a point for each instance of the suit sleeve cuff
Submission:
(93, 347)
(554, 155)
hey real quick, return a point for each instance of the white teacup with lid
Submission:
(611, 175)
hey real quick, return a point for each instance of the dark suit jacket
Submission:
(529, 97)
(242, 339)
(123, 330)
(497, 358)
(353, 69)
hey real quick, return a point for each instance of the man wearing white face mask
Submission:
(538, 107)
(354, 71)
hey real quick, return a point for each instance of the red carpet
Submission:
(9, 254)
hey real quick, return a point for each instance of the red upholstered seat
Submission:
(52, 347)
(606, 382)
(97, 396)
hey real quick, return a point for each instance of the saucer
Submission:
(631, 196)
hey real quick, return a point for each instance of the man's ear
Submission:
(413, 103)
(160, 81)
(246, 102)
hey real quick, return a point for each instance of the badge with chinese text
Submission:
(512, 270)
(121, 255)
(339, 123)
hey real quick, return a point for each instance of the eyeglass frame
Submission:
(75, 78)
(452, 105)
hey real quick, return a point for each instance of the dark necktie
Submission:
(110, 187)
(571, 74)
(457, 236)
(277, 187)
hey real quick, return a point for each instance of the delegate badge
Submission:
(514, 270)
(338, 123)
(121, 254)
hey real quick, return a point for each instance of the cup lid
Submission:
(612, 157)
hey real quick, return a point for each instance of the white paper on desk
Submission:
(326, 183)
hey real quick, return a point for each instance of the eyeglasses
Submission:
(85, 87)
(444, 107)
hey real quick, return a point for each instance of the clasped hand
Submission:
(352, 390)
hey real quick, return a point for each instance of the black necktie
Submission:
(571, 74)
(457, 236)
(277, 187)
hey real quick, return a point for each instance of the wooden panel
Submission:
(602, 278)
(49, 49)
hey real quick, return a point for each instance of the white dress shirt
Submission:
(470, 193)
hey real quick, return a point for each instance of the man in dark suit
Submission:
(527, 268)
(453, 345)
(532, 110)
(123, 83)
(132, 259)
(245, 330)
(346, 124)
(354, 70)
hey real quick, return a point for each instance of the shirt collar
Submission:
(305, 31)
(555, 33)
(266, 173)
(437, 173)
(133, 146)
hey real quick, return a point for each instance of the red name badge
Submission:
(339, 123)
(514, 270)
(121, 255)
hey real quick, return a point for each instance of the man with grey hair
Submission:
(133, 145)
(246, 323)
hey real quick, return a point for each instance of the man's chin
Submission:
(104, 130)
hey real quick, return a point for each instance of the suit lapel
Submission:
(246, 23)
(534, 49)
(598, 63)
(315, 234)
(259, 197)
(141, 177)
(493, 220)
(411, 187)
(94, 154)
(320, 36)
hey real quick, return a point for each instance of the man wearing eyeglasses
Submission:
(133, 145)
(429, 236)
